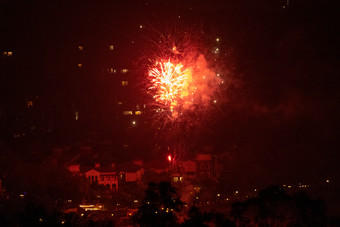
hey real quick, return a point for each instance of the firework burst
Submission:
(169, 81)
(183, 88)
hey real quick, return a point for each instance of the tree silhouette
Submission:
(160, 206)
(274, 207)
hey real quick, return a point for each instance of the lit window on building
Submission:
(124, 71)
(138, 112)
(76, 116)
(29, 104)
(111, 47)
(125, 83)
(80, 65)
(120, 102)
(112, 70)
(127, 112)
(80, 47)
(8, 53)
(175, 179)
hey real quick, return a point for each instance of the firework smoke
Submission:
(183, 88)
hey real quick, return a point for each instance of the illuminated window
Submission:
(127, 112)
(125, 83)
(140, 26)
(123, 71)
(138, 112)
(111, 47)
(76, 116)
(112, 70)
(175, 179)
(30, 104)
(80, 66)
(120, 103)
(80, 47)
(8, 53)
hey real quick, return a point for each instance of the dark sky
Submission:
(281, 118)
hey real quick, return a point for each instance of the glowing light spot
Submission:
(127, 112)
(124, 71)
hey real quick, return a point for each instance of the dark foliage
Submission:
(159, 207)
(274, 207)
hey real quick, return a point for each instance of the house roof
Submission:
(101, 169)
(128, 167)
(204, 157)
(157, 164)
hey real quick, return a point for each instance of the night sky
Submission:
(279, 119)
